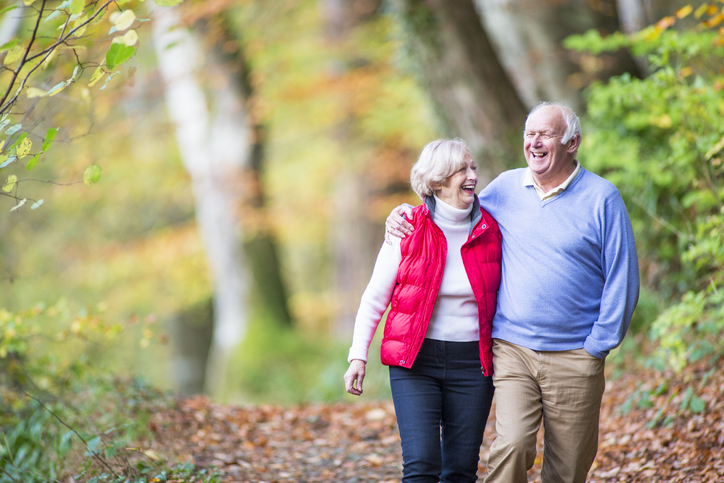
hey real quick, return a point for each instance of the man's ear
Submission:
(573, 145)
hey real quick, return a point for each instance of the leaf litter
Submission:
(648, 433)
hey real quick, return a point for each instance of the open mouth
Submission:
(539, 155)
(469, 188)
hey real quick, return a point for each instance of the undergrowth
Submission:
(63, 420)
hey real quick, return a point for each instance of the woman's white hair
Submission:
(573, 124)
(437, 162)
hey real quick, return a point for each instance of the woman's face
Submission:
(458, 190)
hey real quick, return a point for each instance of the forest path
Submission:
(358, 442)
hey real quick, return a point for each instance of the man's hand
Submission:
(396, 224)
(354, 376)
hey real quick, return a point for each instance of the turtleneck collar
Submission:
(451, 213)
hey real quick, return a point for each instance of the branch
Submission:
(8, 474)
(95, 455)
(16, 72)
(656, 217)
(46, 53)
(24, 471)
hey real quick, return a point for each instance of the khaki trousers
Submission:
(564, 389)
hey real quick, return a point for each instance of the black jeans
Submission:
(442, 404)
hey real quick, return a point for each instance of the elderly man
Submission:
(569, 287)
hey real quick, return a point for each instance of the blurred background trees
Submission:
(250, 151)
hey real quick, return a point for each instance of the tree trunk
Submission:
(220, 145)
(473, 94)
(191, 333)
(9, 25)
(530, 33)
(634, 15)
(268, 292)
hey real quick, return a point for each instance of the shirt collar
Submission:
(529, 181)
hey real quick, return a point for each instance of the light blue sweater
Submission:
(570, 273)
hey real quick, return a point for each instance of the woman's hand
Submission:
(396, 224)
(354, 376)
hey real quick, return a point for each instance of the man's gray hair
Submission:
(573, 124)
(438, 161)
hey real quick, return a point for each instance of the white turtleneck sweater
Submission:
(455, 316)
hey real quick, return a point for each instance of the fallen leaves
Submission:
(355, 443)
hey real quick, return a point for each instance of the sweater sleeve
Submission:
(621, 286)
(375, 299)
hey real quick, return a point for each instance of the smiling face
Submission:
(550, 161)
(458, 190)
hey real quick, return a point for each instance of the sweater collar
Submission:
(449, 212)
(433, 205)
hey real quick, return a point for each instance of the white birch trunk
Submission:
(9, 25)
(213, 140)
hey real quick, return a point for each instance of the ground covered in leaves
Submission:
(656, 427)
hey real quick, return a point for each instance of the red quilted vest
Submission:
(420, 275)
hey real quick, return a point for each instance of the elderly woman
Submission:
(442, 282)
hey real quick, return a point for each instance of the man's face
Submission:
(547, 158)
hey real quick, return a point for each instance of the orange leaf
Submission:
(665, 23)
(714, 21)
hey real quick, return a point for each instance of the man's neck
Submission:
(546, 184)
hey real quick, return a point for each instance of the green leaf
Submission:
(19, 140)
(119, 53)
(92, 174)
(10, 44)
(37, 205)
(93, 443)
(66, 439)
(10, 183)
(49, 138)
(33, 162)
(76, 6)
(687, 397)
(97, 75)
(14, 54)
(697, 405)
(167, 3)
(111, 452)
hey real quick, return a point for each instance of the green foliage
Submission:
(61, 418)
(289, 367)
(54, 44)
(659, 139)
